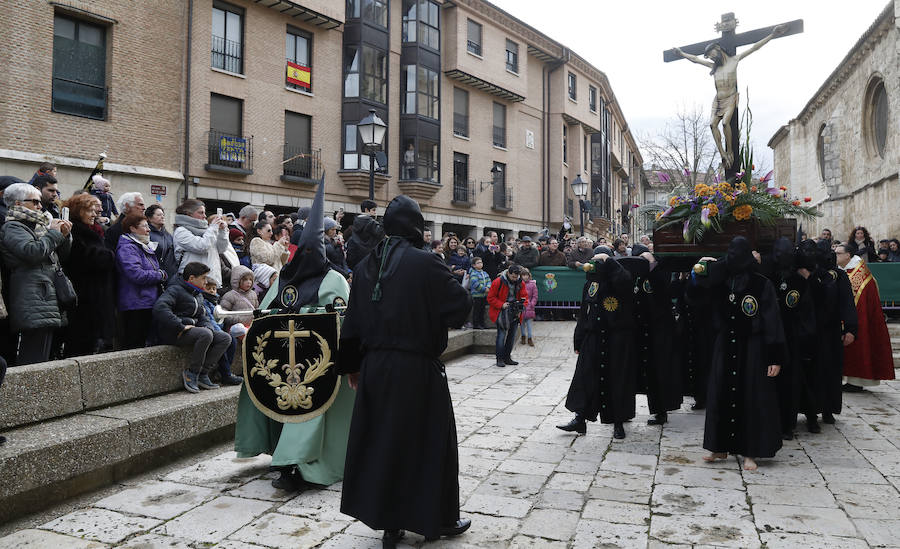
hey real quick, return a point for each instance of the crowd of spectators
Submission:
(860, 243)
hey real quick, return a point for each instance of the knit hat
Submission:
(303, 212)
(99, 181)
(7, 180)
(234, 234)
(331, 224)
(262, 273)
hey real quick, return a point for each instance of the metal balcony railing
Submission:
(460, 124)
(227, 55)
(463, 192)
(230, 152)
(302, 163)
(499, 136)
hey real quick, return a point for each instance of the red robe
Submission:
(870, 355)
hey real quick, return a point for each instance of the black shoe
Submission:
(290, 480)
(787, 436)
(812, 424)
(461, 526)
(577, 425)
(828, 418)
(510, 362)
(2, 439)
(391, 537)
(500, 364)
(618, 431)
(847, 388)
(658, 419)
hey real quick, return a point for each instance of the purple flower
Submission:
(718, 180)
(774, 191)
(687, 172)
(704, 217)
(667, 212)
(684, 231)
(663, 177)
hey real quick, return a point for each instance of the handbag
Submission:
(65, 292)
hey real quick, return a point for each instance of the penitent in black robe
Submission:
(742, 414)
(658, 362)
(402, 463)
(692, 334)
(604, 379)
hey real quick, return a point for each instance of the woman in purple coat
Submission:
(140, 277)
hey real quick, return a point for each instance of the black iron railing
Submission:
(227, 55)
(473, 47)
(463, 192)
(234, 152)
(302, 163)
(503, 199)
(79, 98)
(460, 124)
(499, 136)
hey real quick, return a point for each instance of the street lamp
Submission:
(371, 131)
(580, 188)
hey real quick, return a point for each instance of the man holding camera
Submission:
(507, 298)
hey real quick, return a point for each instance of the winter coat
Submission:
(528, 258)
(580, 256)
(367, 233)
(531, 289)
(32, 295)
(179, 306)
(91, 268)
(553, 259)
(499, 293)
(107, 204)
(335, 254)
(113, 232)
(458, 262)
(272, 254)
(3, 313)
(140, 275)
(201, 249)
(494, 262)
(165, 250)
(479, 283)
(236, 300)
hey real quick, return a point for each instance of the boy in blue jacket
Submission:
(479, 284)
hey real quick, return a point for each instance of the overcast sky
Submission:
(626, 40)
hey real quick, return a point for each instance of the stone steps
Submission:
(78, 424)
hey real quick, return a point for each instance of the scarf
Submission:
(196, 226)
(143, 240)
(24, 215)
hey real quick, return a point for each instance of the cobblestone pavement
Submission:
(526, 484)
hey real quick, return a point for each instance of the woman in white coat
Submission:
(197, 240)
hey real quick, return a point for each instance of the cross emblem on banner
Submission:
(291, 335)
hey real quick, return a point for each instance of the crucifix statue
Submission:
(721, 56)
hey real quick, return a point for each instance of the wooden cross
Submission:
(291, 335)
(729, 42)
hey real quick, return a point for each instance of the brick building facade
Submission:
(489, 120)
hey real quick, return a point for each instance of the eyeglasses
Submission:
(35, 201)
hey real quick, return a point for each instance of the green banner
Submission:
(558, 283)
(887, 275)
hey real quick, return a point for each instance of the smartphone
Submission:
(219, 212)
(64, 213)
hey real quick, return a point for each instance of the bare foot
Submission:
(749, 464)
(715, 456)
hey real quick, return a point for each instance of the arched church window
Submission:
(876, 117)
(820, 152)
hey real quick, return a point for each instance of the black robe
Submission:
(604, 379)
(742, 415)
(692, 334)
(91, 267)
(402, 463)
(835, 316)
(658, 364)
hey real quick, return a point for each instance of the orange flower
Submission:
(783, 188)
(673, 201)
(743, 212)
(713, 209)
(796, 202)
(807, 199)
(752, 166)
(753, 188)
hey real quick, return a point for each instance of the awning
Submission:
(301, 13)
(484, 85)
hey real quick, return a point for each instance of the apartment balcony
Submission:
(503, 199)
(301, 165)
(228, 153)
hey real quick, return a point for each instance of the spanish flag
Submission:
(298, 75)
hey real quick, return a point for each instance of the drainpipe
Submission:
(187, 102)
(545, 150)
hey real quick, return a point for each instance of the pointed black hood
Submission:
(304, 273)
(740, 256)
(403, 218)
(783, 254)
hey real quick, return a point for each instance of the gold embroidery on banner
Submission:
(294, 391)
(610, 304)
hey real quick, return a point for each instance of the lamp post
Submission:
(580, 188)
(371, 131)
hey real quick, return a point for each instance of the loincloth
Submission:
(721, 105)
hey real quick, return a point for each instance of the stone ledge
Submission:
(121, 376)
(40, 391)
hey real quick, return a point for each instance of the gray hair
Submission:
(126, 200)
(248, 212)
(20, 192)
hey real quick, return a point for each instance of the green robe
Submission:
(317, 447)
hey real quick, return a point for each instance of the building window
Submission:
(420, 84)
(299, 158)
(79, 68)
(365, 73)
(592, 98)
(565, 135)
(298, 52)
(351, 158)
(227, 32)
(877, 117)
(573, 85)
(373, 11)
(499, 132)
(502, 196)
(473, 43)
(584, 155)
(228, 147)
(461, 178)
(421, 22)
(512, 56)
(460, 112)
(427, 161)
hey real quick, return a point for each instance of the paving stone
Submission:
(348, 541)
(699, 501)
(489, 531)
(570, 481)
(261, 489)
(286, 531)
(316, 504)
(803, 520)
(777, 473)
(590, 534)
(879, 533)
(617, 512)
(516, 421)
(223, 471)
(526, 467)
(853, 476)
(887, 463)
(710, 476)
(867, 501)
(100, 525)
(572, 465)
(42, 539)
(810, 541)
(551, 523)
(155, 541)
(536, 451)
(718, 531)
(157, 499)
(560, 499)
(814, 496)
(528, 542)
(214, 520)
(497, 505)
(632, 464)
(510, 485)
